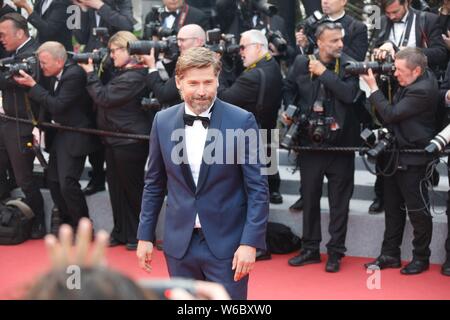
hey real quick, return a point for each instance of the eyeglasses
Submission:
(113, 51)
(243, 47)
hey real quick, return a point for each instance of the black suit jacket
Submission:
(116, 15)
(244, 92)
(428, 36)
(52, 25)
(118, 104)
(4, 10)
(302, 90)
(193, 16)
(412, 116)
(70, 105)
(165, 91)
(14, 95)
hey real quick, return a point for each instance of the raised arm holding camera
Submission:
(14, 137)
(321, 96)
(411, 118)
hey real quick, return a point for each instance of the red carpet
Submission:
(272, 279)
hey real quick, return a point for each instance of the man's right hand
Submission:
(144, 254)
(382, 52)
(301, 39)
(149, 59)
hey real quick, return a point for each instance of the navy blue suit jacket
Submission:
(231, 199)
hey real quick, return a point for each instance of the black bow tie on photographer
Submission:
(189, 120)
(165, 14)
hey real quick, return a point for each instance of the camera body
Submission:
(102, 34)
(11, 67)
(277, 39)
(96, 56)
(221, 43)
(378, 141)
(168, 46)
(154, 28)
(383, 67)
(310, 24)
(316, 126)
(150, 103)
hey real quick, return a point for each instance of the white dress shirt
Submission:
(398, 32)
(45, 6)
(195, 143)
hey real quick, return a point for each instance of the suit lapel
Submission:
(216, 121)
(185, 168)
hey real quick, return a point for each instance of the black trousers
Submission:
(339, 170)
(404, 189)
(97, 161)
(125, 174)
(13, 149)
(64, 172)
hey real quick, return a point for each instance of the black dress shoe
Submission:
(113, 242)
(263, 255)
(333, 263)
(384, 262)
(276, 198)
(305, 257)
(297, 206)
(445, 269)
(415, 267)
(131, 246)
(377, 206)
(92, 188)
(55, 221)
(37, 230)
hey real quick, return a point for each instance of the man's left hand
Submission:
(25, 79)
(316, 68)
(369, 78)
(243, 261)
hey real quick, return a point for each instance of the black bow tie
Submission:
(189, 120)
(166, 14)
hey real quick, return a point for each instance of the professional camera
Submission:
(96, 56)
(386, 67)
(277, 39)
(264, 7)
(154, 28)
(439, 142)
(168, 46)
(11, 67)
(317, 126)
(221, 43)
(378, 141)
(102, 34)
(310, 24)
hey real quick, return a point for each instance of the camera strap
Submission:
(404, 38)
(183, 16)
(262, 86)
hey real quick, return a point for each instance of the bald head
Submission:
(191, 36)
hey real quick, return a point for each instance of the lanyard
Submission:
(406, 31)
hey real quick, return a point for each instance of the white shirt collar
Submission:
(23, 44)
(167, 10)
(59, 75)
(336, 19)
(203, 114)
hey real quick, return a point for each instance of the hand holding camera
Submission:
(24, 79)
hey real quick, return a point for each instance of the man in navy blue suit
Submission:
(205, 152)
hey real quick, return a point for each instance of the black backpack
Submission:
(16, 219)
(280, 239)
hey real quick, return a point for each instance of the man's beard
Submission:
(200, 104)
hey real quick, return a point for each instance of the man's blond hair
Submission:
(197, 58)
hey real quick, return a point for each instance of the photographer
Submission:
(355, 40)
(411, 118)
(246, 91)
(175, 15)
(323, 96)
(115, 15)
(118, 105)
(166, 92)
(66, 99)
(403, 26)
(49, 17)
(14, 137)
